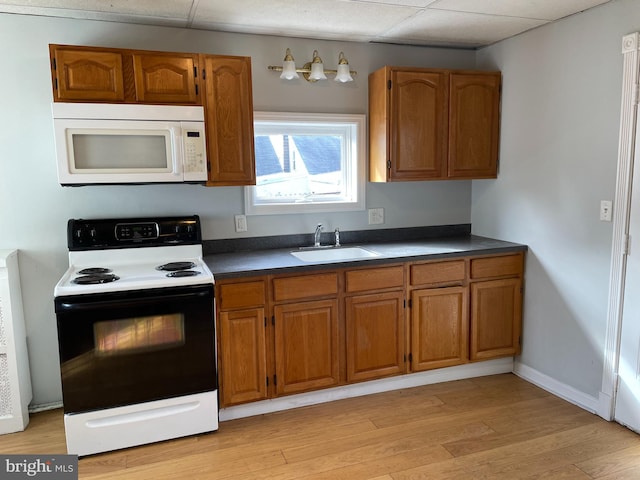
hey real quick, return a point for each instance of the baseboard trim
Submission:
(44, 407)
(471, 370)
(559, 389)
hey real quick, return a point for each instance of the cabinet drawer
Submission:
(374, 278)
(508, 265)
(307, 286)
(241, 295)
(439, 272)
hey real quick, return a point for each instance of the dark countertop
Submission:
(280, 260)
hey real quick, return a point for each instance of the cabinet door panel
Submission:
(375, 335)
(243, 364)
(418, 125)
(306, 346)
(439, 328)
(496, 314)
(229, 119)
(87, 75)
(474, 117)
(166, 78)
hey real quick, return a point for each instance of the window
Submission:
(307, 163)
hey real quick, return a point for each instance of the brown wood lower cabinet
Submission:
(439, 328)
(375, 335)
(286, 334)
(496, 306)
(243, 361)
(495, 318)
(306, 346)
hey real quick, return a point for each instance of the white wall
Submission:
(558, 155)
(34, 209)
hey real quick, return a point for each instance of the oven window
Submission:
(140, 334)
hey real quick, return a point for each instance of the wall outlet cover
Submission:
(376, 216)
(241, 223)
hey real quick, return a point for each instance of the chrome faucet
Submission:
(316, 236)
(337, 233)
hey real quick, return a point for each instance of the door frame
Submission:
(621, 216)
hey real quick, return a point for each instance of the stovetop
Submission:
(136, 269)
(113, 255)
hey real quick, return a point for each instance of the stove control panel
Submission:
(142, 231)
(103, 234)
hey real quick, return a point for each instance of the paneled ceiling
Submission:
(458, 23)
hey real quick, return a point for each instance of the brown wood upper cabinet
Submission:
(95, 74)
(433, 124)
(221, 84)
(166, 78)
(229, 120)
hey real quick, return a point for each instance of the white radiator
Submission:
(15, 380)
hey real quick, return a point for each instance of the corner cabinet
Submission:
(221, 84)
(433, 124)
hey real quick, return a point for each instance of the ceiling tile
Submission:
(406, 3)
(310, 18)
(471, 29)
(463, 23)
(539, 9)
(178, 9)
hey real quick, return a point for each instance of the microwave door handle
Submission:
(177, 144)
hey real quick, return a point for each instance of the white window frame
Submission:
(354, 128)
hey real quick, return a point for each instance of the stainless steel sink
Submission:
(333, 253)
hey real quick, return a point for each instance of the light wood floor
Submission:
(497, 427)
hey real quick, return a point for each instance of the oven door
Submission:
(124, 348)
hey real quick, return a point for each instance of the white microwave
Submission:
(122, 143)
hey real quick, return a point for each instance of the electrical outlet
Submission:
(376, 216)
(605, 210)
(241, 223)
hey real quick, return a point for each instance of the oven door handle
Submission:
(134, 302)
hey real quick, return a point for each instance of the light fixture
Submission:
(289, 67)
(317, 68)
(343, 74)
(314, 70)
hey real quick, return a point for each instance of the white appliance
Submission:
(121, 143)
(136, 333)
